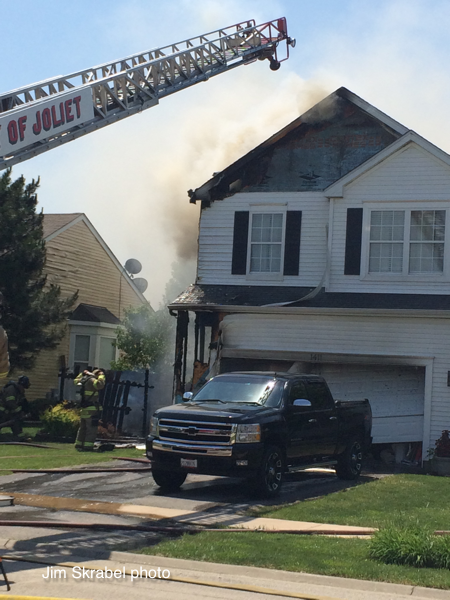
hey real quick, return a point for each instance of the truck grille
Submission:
(196, 432)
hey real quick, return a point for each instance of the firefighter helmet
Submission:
(24, 381)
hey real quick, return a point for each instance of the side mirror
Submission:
(301, 402)
(187, 396)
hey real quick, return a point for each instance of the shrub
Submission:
(414, 546)
(61, 421)
(443, 445)
(38, 406)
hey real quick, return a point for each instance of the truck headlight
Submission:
(154, 426)
(246, 434)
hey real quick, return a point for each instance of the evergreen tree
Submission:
(34, 315)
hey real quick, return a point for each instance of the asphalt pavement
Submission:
(202, 499)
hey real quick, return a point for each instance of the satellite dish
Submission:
(141, 284)
(133, 266)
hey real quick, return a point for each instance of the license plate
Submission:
(189, 463)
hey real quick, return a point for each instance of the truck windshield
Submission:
(254, 390)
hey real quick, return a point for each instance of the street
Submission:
(188, 579)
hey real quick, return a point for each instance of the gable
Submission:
(412, 173)
(329, 141)
(52, 223)
(318, 153)
(77, 261)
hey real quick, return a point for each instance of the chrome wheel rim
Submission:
(356, 458)
(273, 471)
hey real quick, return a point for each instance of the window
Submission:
(266, 245)
(107, 352)
(426, 248)
(297, 392)
(81, 351)
(403, 241)
(266, 242)
(319, 395)
(386, 241)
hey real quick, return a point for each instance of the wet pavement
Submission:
(216, 498)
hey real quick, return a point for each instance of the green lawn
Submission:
(399, 499)
(61, 455)
(394, 499)
(320, 555)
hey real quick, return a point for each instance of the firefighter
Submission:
(13, 404)
(4, 356)
(90, 385)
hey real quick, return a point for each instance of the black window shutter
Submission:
(353, 241)
(240, 243)
(292, 242)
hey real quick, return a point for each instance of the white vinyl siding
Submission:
(216, 237)
(410, 180)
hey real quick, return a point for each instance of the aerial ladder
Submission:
(39, 117)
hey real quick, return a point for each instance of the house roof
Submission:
(54, 222)
(94, 314)
(329, 140)
(215, 297)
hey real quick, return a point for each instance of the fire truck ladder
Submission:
(130, 85)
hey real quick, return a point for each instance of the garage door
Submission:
(396, 395)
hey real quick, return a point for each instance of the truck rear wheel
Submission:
(350, 461)
(270, 476)
(167, 481)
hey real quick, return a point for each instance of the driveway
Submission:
(218, 498)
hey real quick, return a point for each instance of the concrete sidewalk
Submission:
(190, 579)
(186, 517)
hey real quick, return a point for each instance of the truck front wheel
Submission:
(269, 478)
(350, 461)
(167, 481)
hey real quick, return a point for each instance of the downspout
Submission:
(320, 285)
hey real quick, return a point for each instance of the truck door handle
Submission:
(333, 418)
(312, 421)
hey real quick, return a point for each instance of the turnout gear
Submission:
(24, 381)
(13, 405)
(4, 356)
(89, 385)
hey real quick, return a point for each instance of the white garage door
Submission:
(396, 395)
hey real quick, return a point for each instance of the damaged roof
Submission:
(214, 297)
(328, 141)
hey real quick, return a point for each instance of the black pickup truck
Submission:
(258, 425)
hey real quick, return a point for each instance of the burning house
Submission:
(326, 250)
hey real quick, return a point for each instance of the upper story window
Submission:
(266, 242)
(426, 241)
(407, 241)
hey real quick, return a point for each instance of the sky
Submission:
(131, 178)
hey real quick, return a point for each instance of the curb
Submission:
(236, 570)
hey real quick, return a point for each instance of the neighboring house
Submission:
(326, 249)
(78, 259)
